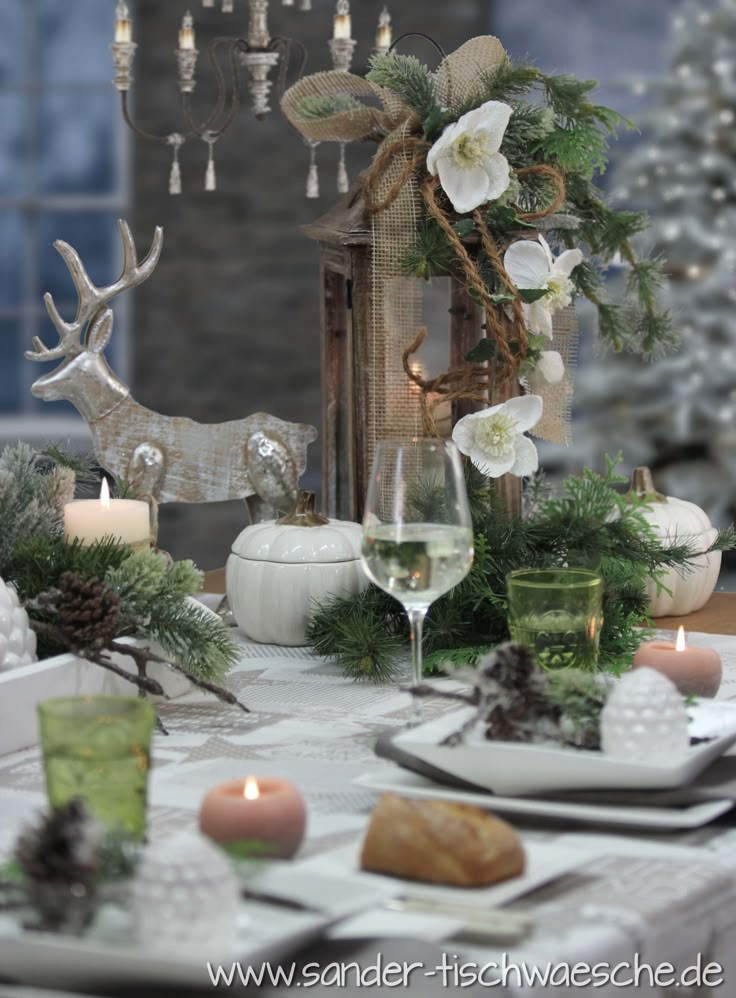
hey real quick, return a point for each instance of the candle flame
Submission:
(680, 643)
(105, 494)
(251, 791)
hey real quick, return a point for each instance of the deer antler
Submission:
(92, 297)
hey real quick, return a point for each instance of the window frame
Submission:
(27, 422)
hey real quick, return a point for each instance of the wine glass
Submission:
(417, 531)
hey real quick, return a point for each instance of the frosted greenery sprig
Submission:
(31, 499)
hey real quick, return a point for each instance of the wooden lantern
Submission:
(348, 355)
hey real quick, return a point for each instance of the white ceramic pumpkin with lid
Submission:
(677, 521)
(278, 569)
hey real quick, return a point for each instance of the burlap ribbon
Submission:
(396, 203)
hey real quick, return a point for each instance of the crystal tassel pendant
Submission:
(210, 180)
(176, 141)
(343, 181)
(175, 178)
(313, 175)
(210, 177)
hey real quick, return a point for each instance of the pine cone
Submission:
(87, 611)
(60, 857)
(62, 848)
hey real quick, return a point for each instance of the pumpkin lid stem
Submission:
(642, 485)
(304, 513)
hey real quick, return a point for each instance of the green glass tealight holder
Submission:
(557, 613)
(98, 748)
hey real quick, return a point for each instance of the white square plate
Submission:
(406, 784)
(545, 861)
(513, 768)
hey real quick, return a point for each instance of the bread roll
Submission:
(440, 842)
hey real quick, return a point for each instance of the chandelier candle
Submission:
(123, 24)
(694, 671)
(342, 44)
(89, 520)
(186, 33)
(263, 814)
(343, 25)
(384, 35)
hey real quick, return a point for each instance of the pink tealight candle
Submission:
(694, 671)
(264, 811)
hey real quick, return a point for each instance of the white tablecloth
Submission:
(665, 896)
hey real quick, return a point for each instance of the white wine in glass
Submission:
(417, 531)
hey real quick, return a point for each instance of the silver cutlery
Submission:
(496, 924)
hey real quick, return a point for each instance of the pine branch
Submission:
(365, 633)
(589, 523)
(529, 125)
(325, 106)
(725, 540)
(405, 76)
(39, 561)
(431, 252)
(84, 466)
(196, 640)
(146, 655)
(506, 83)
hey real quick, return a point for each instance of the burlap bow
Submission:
(398, 194)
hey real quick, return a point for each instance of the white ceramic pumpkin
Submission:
(678, 521)
(277, 569)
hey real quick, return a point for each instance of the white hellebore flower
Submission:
(466, 157)
(531, 266)
(494, 438)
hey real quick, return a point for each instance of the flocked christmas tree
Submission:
(679, 414)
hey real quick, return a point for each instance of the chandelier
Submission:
(258, 52)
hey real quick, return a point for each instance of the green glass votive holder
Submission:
(557, 613)
(98, 748)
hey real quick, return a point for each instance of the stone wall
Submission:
(229, 324)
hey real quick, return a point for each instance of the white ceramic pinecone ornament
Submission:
(186, 897)
(17, 639)
(645, 719)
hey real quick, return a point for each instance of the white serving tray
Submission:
(512, 768)
(21, 690)
(109, 955)
(406, 784)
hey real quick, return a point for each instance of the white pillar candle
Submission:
(89, 520)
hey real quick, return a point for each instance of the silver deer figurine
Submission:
(173, 459)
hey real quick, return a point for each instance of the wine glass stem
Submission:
(416, 617)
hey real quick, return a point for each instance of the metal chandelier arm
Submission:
(207, 127)
(150, 136)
